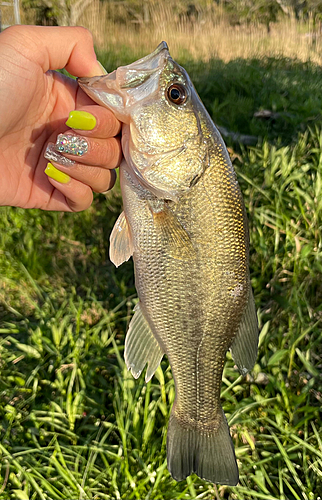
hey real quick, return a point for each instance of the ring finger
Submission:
(90, 151)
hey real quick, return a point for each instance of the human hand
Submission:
(34, 105)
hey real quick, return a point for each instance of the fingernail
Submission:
(104, 72)
(81, 120)
(71, 144)
(53, 155)
(56, 174)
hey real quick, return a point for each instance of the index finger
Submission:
(94, 121)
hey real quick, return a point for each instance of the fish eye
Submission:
(177, 93)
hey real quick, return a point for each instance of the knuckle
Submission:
(108, 124)
(85, 33)
(84, 201)
(111, 124)
(97, 176)
(114, 125)
(114, 153)
(106, 182)
(105, 153)
(89, 199)
(110, 153)
(102, 153)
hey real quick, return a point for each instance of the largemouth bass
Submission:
(185, 224)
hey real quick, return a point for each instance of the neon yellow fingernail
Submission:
(56, 174)
(81, 120)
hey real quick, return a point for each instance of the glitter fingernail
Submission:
(53, 155)
(71, 144)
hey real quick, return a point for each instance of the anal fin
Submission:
(141, 347)
(121, 247)
(244, 347)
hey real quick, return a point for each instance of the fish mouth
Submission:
(149, 63)
(127, 85)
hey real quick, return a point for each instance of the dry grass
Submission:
(6, 15)
(209, 37)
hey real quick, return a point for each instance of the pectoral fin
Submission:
(121, 247)
(244, 348)
(141, 347)
(174, 238)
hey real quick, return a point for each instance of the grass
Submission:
(212, 36)
(74, 424)
(117, 25)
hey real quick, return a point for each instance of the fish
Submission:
(184, 222)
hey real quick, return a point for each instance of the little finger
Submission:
(98, 178)
(69, 194)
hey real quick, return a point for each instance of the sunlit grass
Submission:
(73, 421)
(212, 36)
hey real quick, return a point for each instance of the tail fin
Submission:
(210, 455)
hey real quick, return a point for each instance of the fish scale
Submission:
(185, 225)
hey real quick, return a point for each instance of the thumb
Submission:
(56, 47)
